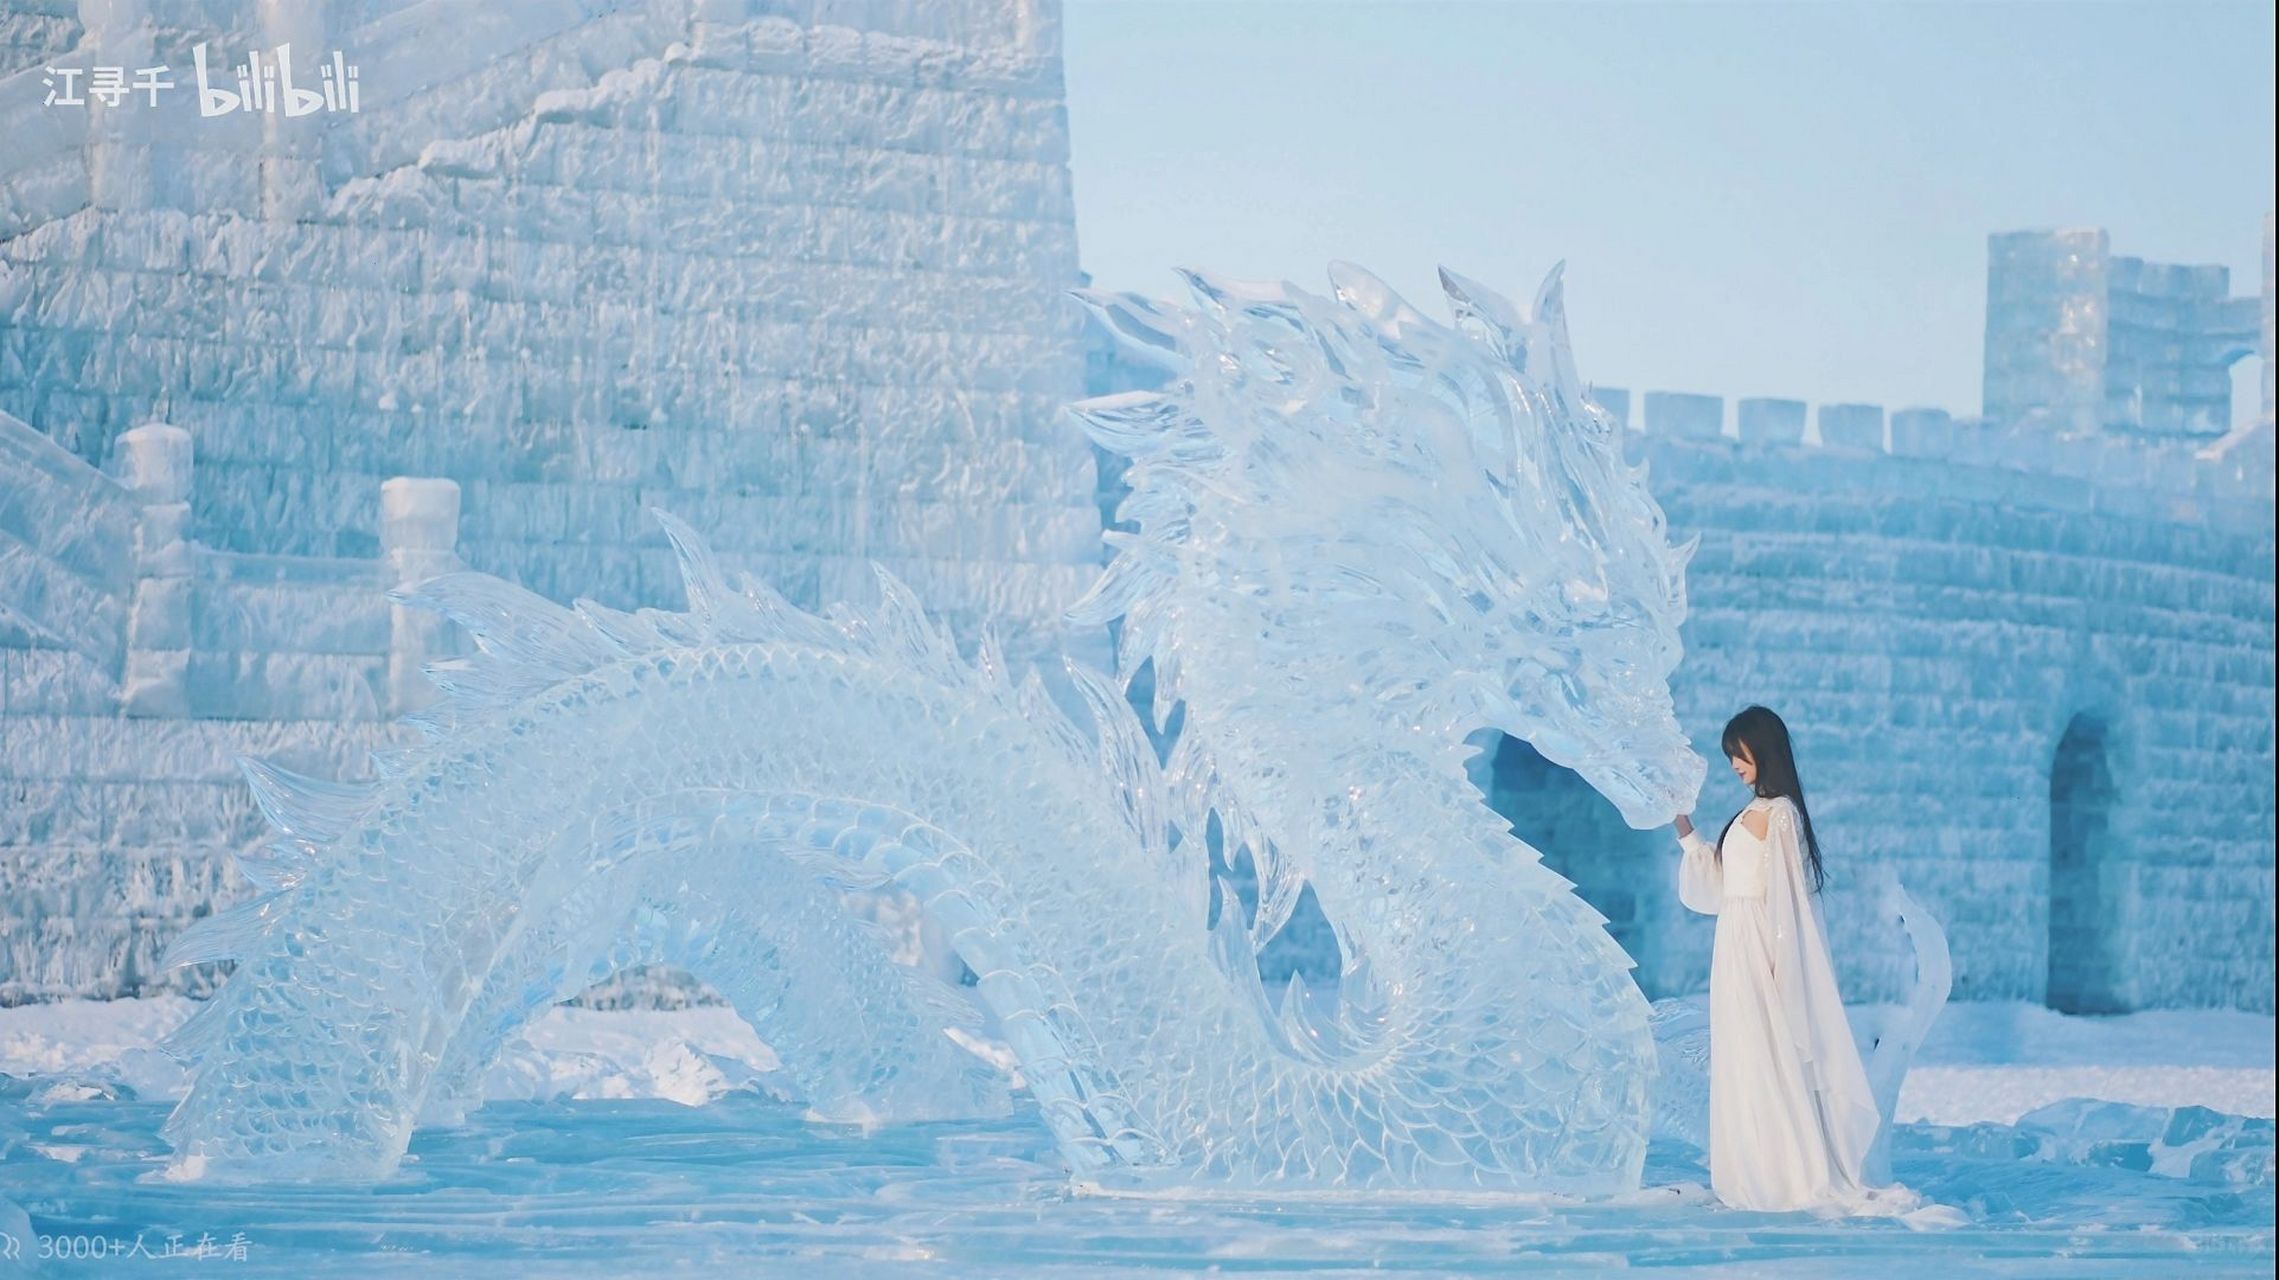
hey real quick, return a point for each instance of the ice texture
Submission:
(795, 272)
(1358, 536)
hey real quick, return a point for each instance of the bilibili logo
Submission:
(264, 83)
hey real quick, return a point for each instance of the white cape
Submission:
(1791, 1115)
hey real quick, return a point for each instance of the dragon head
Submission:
(1376, 513)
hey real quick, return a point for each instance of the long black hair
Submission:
(1761, 733)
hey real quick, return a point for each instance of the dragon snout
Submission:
(1652, 779)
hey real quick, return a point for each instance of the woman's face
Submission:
(1744, 767)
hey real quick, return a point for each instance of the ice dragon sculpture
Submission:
(1355, 535)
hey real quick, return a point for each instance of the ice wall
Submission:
(794, 271)
(799, 280)
(1931, 631)
(32, 31)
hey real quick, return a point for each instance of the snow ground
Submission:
(1996, 1062)
(594, 1159)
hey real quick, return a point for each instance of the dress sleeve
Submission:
(1699, 875)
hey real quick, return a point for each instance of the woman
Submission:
(1790, 1112)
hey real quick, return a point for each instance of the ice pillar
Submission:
(155, 462)
(419, 538)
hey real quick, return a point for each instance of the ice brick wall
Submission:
(33, 31)
(111, 829)
(792, 270)
(1931, 633)
(797, 278)
(65, 550)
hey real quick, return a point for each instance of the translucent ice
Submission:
(1358, 535)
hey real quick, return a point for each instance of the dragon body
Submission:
(1354, 537)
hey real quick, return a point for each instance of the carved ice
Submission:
(1358, 535)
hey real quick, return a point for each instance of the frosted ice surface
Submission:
(1360, 535)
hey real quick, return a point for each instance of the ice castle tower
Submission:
(2080, 339)
(793, 270)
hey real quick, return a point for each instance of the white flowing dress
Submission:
(1791, 1115)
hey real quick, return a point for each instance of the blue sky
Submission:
(1787, 200)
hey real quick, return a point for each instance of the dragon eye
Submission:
(1583, 598)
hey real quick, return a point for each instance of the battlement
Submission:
(2107, 383)
(2228, 487)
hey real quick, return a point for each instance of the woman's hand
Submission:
(1685, 825)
